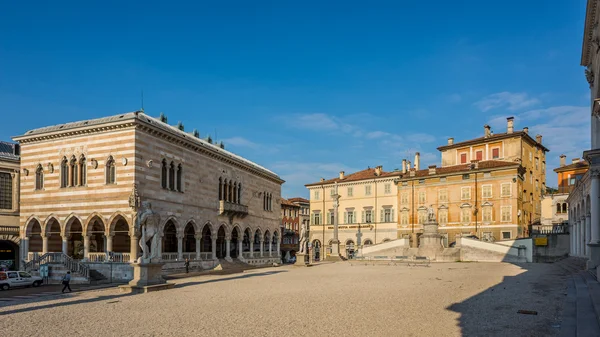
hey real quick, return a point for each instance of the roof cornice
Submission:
(494, 138)
(588, 32)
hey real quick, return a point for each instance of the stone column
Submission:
(279, 247)
(270, 248)
(65, 244)
(240, 249)
(588, 229)
(109, 242)
(214, 249)
(251, 248)
(572, 234)
(198, 237)
(180, 247)
(262, 244)
(134, 248)
(44, 243)
(25, 244)
(580, 232)
(595, 209)
(227, 248)
(86, 246)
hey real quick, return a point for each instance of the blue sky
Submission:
(308, 88)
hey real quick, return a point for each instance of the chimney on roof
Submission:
(538, 138)
(487, 131)
(403, 166)
(378, 170)
(322, 179)
(417, 160)
(342, 174)
(575, 161)
(563, 160)
(412, 173)
(431, 169)
(450, 141)
(510, 125)
(526, 130)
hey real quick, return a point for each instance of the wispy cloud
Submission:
(314, 121)
(298, 173)
(508, 100)
(241, 142)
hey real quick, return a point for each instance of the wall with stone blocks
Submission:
(557, 248)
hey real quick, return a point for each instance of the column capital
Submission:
(198, 236)
(44, 235)
(228, 237)
(595, 173)
(180, 236)
(110, 235)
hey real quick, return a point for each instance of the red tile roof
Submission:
(298, 199)
(369, 173)
(288, 203)
(482, 165)
(579, 165)
(494, 137)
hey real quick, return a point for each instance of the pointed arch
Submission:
(64, 172)
(237, 227)
(32, 220)
(164, 174)
(69, 220)
(111, 171)
(176, 223)
(208, 225)
(82, 170)
(50, 218)
(73, 177)
(95, 223)
(112, 221)
(172, 176)
(179, 177)
(90, 218)
(220, 188)
(39, 177)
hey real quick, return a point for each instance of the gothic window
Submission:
(220, 188)
(73, 167)
(239, 190)
(179, 174)
(558, 208)
(6, 191)
(64, 173)
(163, 174)
(564, 207)
(230, 191)
(172, 176)
(39, 178)
(111, 176)
(82, 171)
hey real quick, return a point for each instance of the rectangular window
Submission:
(404, 198)
(506, 213)
(487, 174)
(332, 192)
(350, 217)
(465, 215)
(387, 215)
(443, 216)
(317, 195)
(368, 190)
(466, 176)
(486, 191)
(530, 156)
(422, 216)
(495, 153)
(422, 197)
(537, 163)
(6, 191)
(505, 235)
(317, 219)
(387, 188)
(404, 218)
(350, 191)
(487, 214)
(331, 217)
(368, 216)
(505, 189)
(479, 155)
(465, 193)
(443, 195)
(463, 158)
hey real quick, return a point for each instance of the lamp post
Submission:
(335, 242)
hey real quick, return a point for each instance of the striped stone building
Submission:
(83, 182)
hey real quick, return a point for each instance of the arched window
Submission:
(82, 171)
(172, 176)
(235, 192)
(225, 190)
(179, 174)
(367, 242)
(163, 174)
(73, 167)
(64, 173)
(220, 188)
(239, 198)
(39, 178)
(558, 208)
(230, 191)
(111, 174)
(564, 207)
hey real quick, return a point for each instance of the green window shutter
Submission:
(363, 216)
(345, 217)
(382, 216)
(393, 217)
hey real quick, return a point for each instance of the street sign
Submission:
(44, 270)
(541, 241)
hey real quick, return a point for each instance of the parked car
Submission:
(468, 237)
(11, 279)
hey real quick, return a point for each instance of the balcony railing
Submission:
(113, 257)
(230, 208)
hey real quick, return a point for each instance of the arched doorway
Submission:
(206, 241)
(189, 239)
(96, 232)
(349, 249)
(9, 254)
(74, 232)
(256, 244)
(54, 236)
(221, 249)
(246, 241)
(316, 247)
(169, 243)
(35, 239)
(235, 239)
(121, 239)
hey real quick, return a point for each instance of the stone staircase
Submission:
(581, 315)
(59, 264)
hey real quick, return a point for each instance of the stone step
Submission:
(587, 320)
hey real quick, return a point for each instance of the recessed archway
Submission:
(257, 238)
(235, 239)
(54, 236)
(169, 242)
(206, 241)
(74, 232)
(316, 247)
(189, 238)
(34, 232)
(96, 233)
(246, 240)
(221, 249)
(121, 239)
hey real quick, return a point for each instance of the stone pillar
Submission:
(65, 245)
(595, 209)
(86, 247)
(134, 248)
(262, 244)
(180, 247)
(251, 248)
(109, 242)
(227, 248)
(45, 243)
(279, 247)
(25, 249)
(588, 228)
(240, 249)
(160, 243)
(214, 249)
(581, 232)
(270, 248)
(198, 237)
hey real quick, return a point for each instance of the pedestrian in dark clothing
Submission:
(65, 282)
(187, 266)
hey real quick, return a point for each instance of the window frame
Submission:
(502, 194)
(483, 194)
(502, 209)
(462, 193)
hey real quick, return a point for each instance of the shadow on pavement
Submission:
(230, 278)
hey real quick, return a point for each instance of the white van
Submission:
(10, 279)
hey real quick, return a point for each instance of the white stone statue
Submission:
(303, 238)
(147, 223)
(430, 214)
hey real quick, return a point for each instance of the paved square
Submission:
(450, 299)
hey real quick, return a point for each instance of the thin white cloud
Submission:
(377, 134)
(508, 100)
(421, 138)
(241, 142)
(315, 121)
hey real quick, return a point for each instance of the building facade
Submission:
(367, 211)
(83, 183)
(554, 204)
(290, 224)
(9, 205)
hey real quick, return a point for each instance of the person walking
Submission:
(65, 281)
(187, 266)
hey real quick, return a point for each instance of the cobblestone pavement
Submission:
(450, 299)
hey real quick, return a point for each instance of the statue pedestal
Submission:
(147, 277)
(301, 260)
(335, 252)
